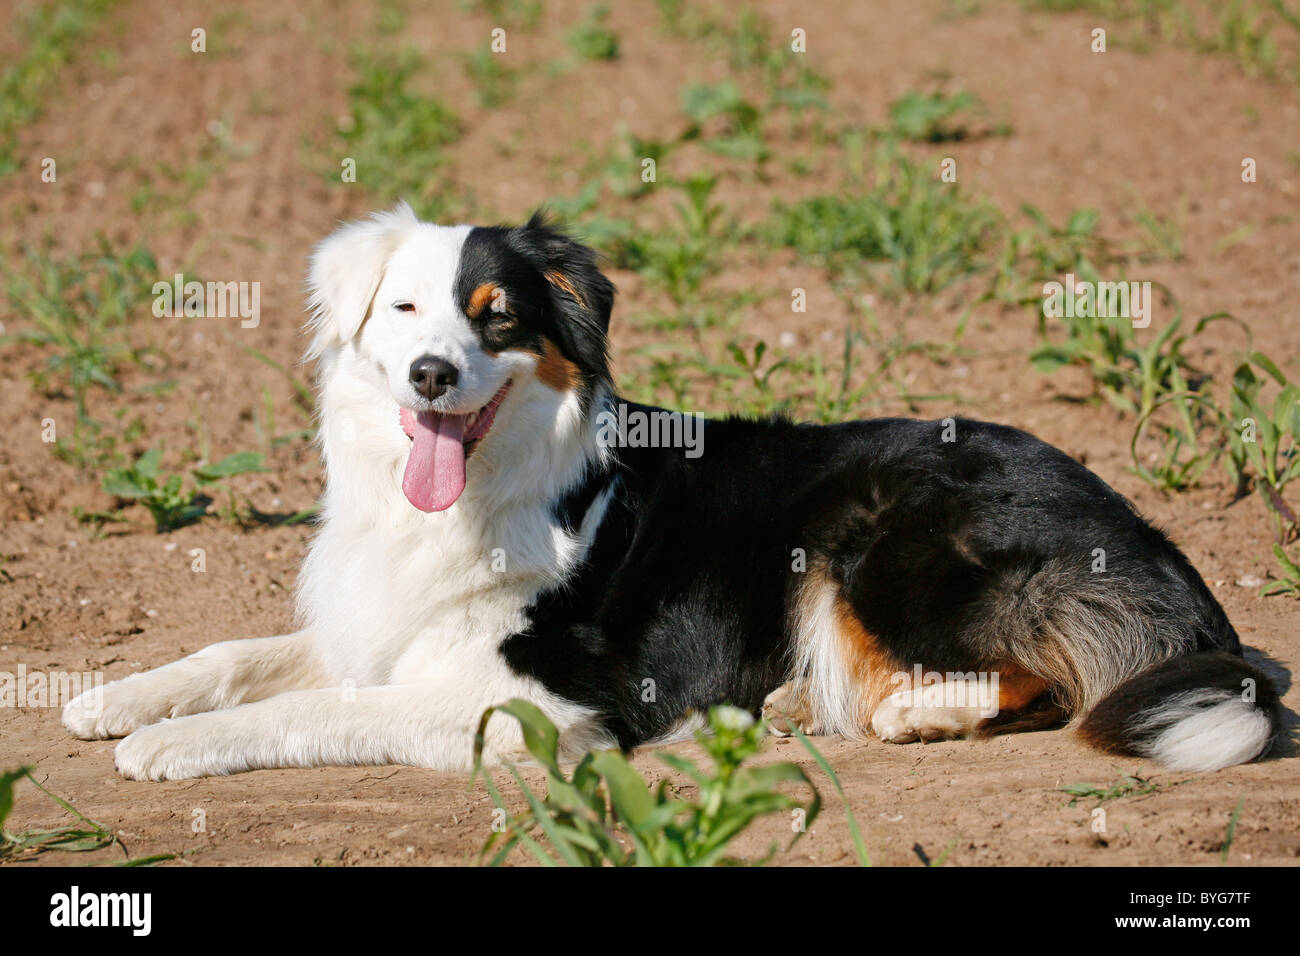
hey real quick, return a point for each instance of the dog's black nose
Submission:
(431, 377)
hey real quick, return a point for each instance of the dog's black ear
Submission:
(581, 298)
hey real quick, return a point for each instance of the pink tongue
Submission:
(435, 469)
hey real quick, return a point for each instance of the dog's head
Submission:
(460, 322)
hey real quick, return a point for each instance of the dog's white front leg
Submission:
(402, 724)
(219, 676)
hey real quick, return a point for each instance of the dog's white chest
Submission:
(431, 598)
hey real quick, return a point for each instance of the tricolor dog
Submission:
(484, 536)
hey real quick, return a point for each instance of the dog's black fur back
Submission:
(958, 545)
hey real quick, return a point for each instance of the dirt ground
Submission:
(1165, 124)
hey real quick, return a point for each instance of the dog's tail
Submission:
(1200, 711)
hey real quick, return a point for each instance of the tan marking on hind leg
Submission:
(875, 672)
(841, 670)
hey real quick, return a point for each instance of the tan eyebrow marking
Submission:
(480, 298)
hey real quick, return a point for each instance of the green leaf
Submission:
(147, 464)
(1268, 365)
(121, 483)
(7, 780)
(1048, 360)
(859, 845)
(237, 464)
(627, 790)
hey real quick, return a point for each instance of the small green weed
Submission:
(1231, 834)
(171, 504)
(679, 258)
(86, 836)
(524, 13)
(735, 126)
(1133, 375)
(855, 832)
(603, 813)
(52, 33)
(494, 82)
(1128, 786)
(1039, 252)
(924, 234)
(82, 307)
(1267, 437)
(398, 137)
(591, 39)
(932, 117)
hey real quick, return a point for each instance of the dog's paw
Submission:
(787, 708)
(905, 717)
(170, 750)
(113, 710)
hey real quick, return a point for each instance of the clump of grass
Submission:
(746, 39)
(855, 832)
(750, 46)
(171, 504)
(740, 380)
(97, 445)
(52, 35)
(737, 124)
(88, 836)
(1136, 371)
(604, 813)
(678, 258)
(1230, 835)
(621, 170)
(1127, 786)
(932, 117)
(82, 307)
(1243, 30)
(1265, 438)
(1180, 420)
(591, 39)
(679, 18)
(922, 233)
(397, 136)
(494, 82)
(1132, 374)
(1289, 580)
(1258, 441)
(1041, 251)
(524, 13)
(1163, 235)
(85, 836)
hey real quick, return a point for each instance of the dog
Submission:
(491, 528)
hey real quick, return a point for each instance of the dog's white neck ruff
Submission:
(431, 591)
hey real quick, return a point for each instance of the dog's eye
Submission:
(404, 306)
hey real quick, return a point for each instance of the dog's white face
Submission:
(414, 316)
(447, 386)
(451, 320)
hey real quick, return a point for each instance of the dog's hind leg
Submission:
(1004, 700)
(219, 676)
